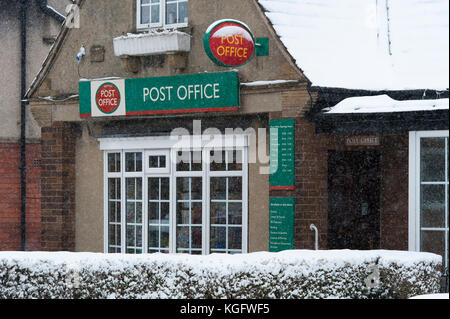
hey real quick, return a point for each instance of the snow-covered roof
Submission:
(384, 103)
(366, 44)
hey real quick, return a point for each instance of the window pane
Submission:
(183, 185)
(134, 214)
(114, 162)
(196, 237)
(165, 188)
(162, 161)
(196, 193)
(183, 12)
(196, 161)
(171, 13)
(183, 160)
(235, 161)
(235, 188)
(183, 237)
(218, 188)
(235, 213)
(218, 213)
(145, 14)
(114, 188)
(433, 242)
(432, 159)
(218, 161)
(218, 237)
(153, 161)
(131, 213)
(131, 188)
(432, 205)
(155, 14)
(133, 162)
(183, 216)
(165, 211)
(164, 237)
(153, 236)
(196, 213)
(153, 213)
(234, 238)
(153, 188)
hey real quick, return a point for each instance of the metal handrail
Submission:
(314, 228)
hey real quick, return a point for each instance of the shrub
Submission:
(288, 274)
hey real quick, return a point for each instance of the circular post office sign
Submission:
(108, 98)
(229, 43)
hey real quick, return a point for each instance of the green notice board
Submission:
(282, 154)
(281, 224)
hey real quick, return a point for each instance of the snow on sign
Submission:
(229, 43)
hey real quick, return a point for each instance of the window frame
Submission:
(154, 145)
(414, 220)
(162, 18)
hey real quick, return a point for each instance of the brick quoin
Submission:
(10, 201)
(58, 187)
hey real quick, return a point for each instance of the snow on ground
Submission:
(432, 296)
(384, 103)
(371, 45)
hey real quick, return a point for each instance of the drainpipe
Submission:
(23, 72)
(50, 11)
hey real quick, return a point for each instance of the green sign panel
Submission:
(281, 224)
(206, 92)
(282, 154)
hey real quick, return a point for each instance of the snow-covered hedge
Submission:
(288, 274)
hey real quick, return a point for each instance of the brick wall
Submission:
(10, 201)
(394, 191)
(58, 187)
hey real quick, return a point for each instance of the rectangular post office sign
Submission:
(206, 92)
(281, 224)
(282, 154)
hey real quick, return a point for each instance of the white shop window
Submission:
(191, 201)
(161, 13)
(428, 192)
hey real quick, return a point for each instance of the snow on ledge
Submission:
(385, 104)
(432, 296)
(142, 44)
(264, 83)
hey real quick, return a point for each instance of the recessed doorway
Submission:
(354, 200)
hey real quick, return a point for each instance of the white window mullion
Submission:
(173, 204)
(123, 207)
(206, 204)
(144, 209)
(245, 201)
(446, 203)
(105, 204)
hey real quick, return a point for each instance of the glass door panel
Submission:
(133, 217)
(158, 214)
(189, 215)
(226, 214)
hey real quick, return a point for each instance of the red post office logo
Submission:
(229, 43)
(108, 98)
